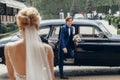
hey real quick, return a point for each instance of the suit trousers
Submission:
(63, 56)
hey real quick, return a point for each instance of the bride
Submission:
(29, 58)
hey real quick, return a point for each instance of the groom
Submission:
(66, 44)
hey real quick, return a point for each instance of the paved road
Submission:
(79, 73)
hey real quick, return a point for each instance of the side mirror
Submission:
(101, 35)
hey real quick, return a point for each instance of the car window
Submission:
(73, 29)
(44, 31)
(55, 32)
(89, 32)
(104, 29)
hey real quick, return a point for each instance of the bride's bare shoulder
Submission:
(8, 47)
(9, 44)
(49, 50)
(12, 44)
(47, 46)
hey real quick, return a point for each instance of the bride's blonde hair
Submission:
(28, 17)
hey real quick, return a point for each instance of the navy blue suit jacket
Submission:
(65, 42)
(65, 39)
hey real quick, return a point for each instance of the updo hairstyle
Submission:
(28, 17)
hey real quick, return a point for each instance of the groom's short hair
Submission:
(68, 18)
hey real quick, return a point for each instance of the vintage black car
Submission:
(97, 47)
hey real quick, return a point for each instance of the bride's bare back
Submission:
(16, 52)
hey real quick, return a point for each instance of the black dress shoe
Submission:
(64, 77)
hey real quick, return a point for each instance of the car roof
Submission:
(82, 22)
(62, 21)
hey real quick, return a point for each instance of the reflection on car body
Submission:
(96, 47)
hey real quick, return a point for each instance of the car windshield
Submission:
(106, 32)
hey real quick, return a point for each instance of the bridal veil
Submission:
(37, 65)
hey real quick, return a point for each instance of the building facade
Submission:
(8, 10)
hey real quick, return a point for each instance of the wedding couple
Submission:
(31, 59)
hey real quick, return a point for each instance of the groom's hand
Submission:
(65, 50)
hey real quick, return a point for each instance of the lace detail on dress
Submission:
(19, 77)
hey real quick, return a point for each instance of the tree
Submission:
(89, 6)
(50, 9)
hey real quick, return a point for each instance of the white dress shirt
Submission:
(69, 31)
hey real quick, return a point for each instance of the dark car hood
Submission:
(11, 38)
